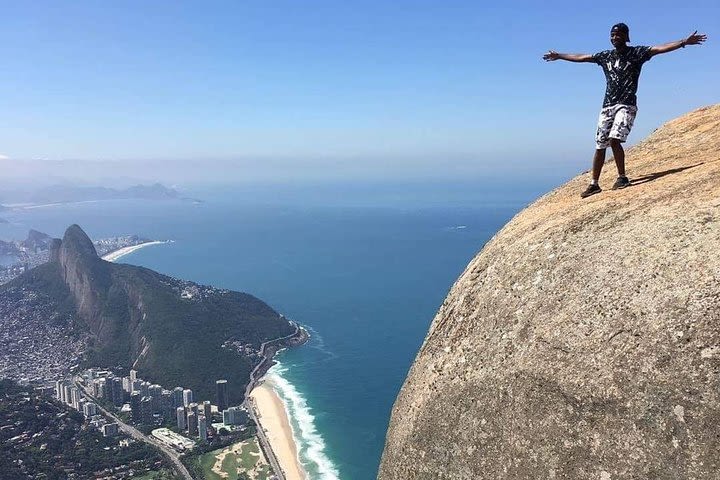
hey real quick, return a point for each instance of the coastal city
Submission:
(284, 240)
(183, 436)
(170, 419)
(190, 432)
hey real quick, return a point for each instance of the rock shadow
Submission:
(656, 175)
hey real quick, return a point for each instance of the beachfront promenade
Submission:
(249, 404)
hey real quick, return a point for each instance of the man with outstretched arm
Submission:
(621, 66)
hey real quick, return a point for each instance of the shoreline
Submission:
(117, 254)
(31, 206)
(272, 416)
(275, 433)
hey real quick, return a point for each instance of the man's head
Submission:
(619, 35)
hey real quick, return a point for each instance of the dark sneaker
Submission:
(621, 182)
(592, 189)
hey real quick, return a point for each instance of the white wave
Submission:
(309, 442)
(318, 343)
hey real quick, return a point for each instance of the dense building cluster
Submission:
(192, 291)
(108, 245)
(37, 343)
(40, 438)
(152, 405)
(71, 395)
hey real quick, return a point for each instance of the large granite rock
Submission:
(583, 341)
(85, 274)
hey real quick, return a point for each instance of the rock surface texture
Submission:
(583, 341)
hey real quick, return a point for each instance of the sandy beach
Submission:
(274, 420)
(114, 256)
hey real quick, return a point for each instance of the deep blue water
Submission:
(367, 282)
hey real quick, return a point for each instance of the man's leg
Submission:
(619, 155)
(605, 122)
(622, 124)
(598, 162)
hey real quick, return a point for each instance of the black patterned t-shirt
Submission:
(622, 71)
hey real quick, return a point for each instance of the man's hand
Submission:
(695, 39)
(552, 55)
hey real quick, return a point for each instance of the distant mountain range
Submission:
(75, 193)
(174, 332)
(66, 193)
(34, 242)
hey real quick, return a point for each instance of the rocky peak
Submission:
(583, 341)
(75, 242)
(85, 274)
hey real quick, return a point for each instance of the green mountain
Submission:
(174, 332)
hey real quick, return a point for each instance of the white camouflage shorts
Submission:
(615, 121)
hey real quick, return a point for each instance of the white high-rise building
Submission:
(202, 427)
(187, 397)
(207, 410)
(59, 385)
(180, 412)
(74, 397)
(133, 375)
(67, 396)
(99, 389)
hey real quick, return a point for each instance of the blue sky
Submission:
(325, 89)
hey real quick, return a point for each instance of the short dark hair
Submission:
(621, 27)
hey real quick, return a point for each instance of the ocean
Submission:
(365, 278)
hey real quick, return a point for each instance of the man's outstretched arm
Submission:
(552, 55)
(693, 39)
